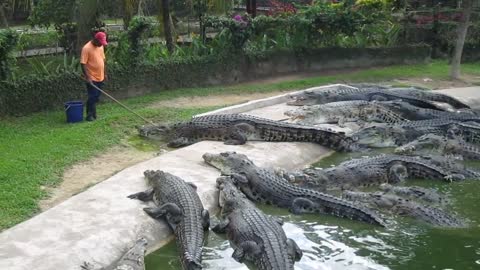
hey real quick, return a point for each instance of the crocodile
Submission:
(345, 111)
(369, 171)
(133, 259)
(404, 207)
(420, 193)
(440, 145)
(430, 96)
(387, 135)
(453, 165)
(238, 128)
(345, 93)
(411, 112)
(178, 203)
(256, 237)
(265, 186)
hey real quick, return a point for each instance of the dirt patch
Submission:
(85, 174)
(210, 101)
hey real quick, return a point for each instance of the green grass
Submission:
(35, 150)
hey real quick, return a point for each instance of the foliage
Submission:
(130, 49)
(8, 42)
(278, 8)
(53, 12)
(367, 23)
(238, 29)
(29, 40)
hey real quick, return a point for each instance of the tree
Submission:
(167, 25)
(87, 19)
(461, 35)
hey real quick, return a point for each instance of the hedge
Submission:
(44, 93)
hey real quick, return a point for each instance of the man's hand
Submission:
(105, 77)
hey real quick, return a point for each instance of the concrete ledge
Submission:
(100, 223)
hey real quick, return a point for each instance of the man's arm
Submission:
(85, 73)
(83, 62)
(105, 70)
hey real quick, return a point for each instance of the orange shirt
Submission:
(93, 58)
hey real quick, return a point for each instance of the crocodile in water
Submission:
(369, 171)
(263, 185)
(133, 259)
(179, 204)
(440, 145)
(404, 207)
(256, 237)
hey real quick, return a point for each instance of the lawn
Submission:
(36, 149)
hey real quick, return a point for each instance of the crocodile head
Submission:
(310, 97)
(229, 197)
(162, 132)
(136, 253)
(228, 162)
(424, 144)
(378, 136)
(376, 198)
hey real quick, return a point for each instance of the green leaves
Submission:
(8, 42)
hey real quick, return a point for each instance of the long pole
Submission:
(121, 104)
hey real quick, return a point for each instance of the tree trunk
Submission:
(167, 25)
(254, 8)
(86, 18)
(3, 16)
(461, 34)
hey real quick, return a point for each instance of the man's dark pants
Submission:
(93, 98)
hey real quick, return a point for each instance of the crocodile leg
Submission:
(237, 134)
(454, 177)
(277, 220)
(247, 250)
(397, 172)
(294, 250)
(180, 142)
(192, 185)
(221, 227)
(302, 205)
(205, 219)
(172, 211)
(239, 178)
(89, 266)
(143, 196)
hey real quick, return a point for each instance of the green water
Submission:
(333, 243)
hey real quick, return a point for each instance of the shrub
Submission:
(8, 42)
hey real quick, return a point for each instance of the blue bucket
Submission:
(74, 111)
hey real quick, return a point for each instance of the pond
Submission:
(334, 243)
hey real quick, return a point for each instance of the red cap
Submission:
(102, 38)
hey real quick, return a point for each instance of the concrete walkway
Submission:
(99, 224)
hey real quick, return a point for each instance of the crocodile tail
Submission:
(194, 265)
(347, 209)
(457, 104)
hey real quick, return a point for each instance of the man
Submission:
(93, 67)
